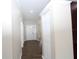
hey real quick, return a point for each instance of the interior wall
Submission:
(16, 31)
(26, 23)
(46, 35)
(32, 22)
(62, 30)
(7, 37)
(39, 29)
(11, 41)
(31, 32)
(22, 33)
(6, 30)
(25, 30)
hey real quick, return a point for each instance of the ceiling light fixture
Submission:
(31, 11)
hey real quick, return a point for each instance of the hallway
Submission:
(32, 50)
(38, 29)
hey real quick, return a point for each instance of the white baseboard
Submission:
(43, 57)
(21, 54)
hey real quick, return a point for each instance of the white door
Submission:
(31, 32)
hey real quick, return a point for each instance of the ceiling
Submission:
(31, 8)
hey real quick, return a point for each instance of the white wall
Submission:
(6, 29)
(27, 22)
(7, 37)
(22, 33)
(31, 32)
(16, 31)
(11, 41)
(59, 31)
(28, 30)
(62, 30)
(46, 35)
(30, 22)
(38, 26)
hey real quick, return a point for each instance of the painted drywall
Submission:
(28, 32)
(39, 31)
(16, 31)
(62, 30)
(22, 34)
(28, 22)
(11, 36)
(31, 32)
(38, 26)
(46, 35)
(7, 37)
(6, 30)
(34, 21)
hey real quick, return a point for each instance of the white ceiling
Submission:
(31, 8)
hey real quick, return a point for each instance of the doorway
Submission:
(31, 32)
